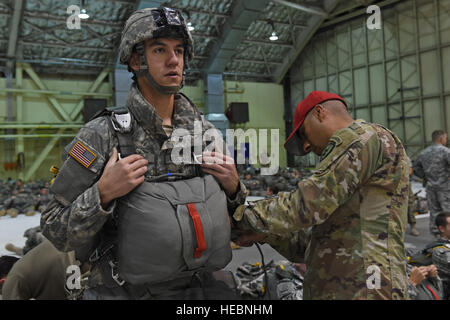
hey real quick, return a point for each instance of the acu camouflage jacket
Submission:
(74, 219)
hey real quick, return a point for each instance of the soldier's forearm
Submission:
(69, 227)
(237, 199)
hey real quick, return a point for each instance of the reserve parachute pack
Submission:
(424, 257)
(172, 229)
(441, 259)
(168, 227)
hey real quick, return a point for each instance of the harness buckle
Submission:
(115, 274)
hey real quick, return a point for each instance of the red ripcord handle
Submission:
(199, 235)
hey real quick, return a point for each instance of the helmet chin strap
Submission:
(144, 72)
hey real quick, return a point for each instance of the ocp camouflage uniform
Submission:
(433, 165)
(75, 220)
(356, 203)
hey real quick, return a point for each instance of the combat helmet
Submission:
(150, 23)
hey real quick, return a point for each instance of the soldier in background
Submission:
(424, 283)
(34, 238)
(355, 202)
(20, 202)
(42, 200)
(433, 165)
(252, 184)
(441, 255)
(6, 263)
(41, 274)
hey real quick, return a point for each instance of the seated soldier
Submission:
(6, 263)
(41, 274)
(42, 200)
(424, 283)
(34, 238)
(21, 202)
(441, 251)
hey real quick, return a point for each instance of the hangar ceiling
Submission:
(230, 36)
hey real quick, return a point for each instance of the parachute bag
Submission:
(168, 230)
(441, 259)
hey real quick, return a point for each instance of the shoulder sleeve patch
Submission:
(335, 141)
(82, 154)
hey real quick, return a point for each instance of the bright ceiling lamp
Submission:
(83, 14)
(274, 36)
(189, 24)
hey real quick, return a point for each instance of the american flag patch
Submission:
(82, 154)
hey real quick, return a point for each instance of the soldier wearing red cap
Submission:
(347, 221)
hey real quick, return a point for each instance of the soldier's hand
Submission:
(432, 271)
(120, 177)
(222, 167)
(418, 275)
(248, 238)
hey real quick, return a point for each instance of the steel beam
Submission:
(58, 107)
(37, 135)
(76, 111)
(56, 93)
(316, 11)
(10, 125)
(17, 14)
(43, 154)
(19, 144)
(243, 15)
(304, 36)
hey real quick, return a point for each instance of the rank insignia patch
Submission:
(82, 154)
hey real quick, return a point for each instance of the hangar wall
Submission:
(37, 112)
(397, 76)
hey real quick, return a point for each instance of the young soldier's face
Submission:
(165, 58)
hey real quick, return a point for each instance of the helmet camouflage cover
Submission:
(143, 24)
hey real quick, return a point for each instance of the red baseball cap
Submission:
(293, 143)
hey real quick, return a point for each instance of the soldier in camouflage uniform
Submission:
(251, 184)
(42, 200)
(433, 165)
(20, 202)
(356, 203)
(156, 46)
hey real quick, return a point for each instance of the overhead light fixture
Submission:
(190, 26)
(189, 23)
(83, 14)
(274, 36)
